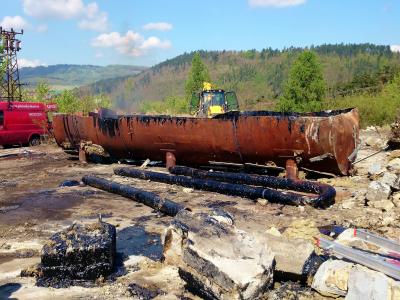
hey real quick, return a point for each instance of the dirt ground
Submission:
(33, 207)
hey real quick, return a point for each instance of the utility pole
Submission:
(10, 86)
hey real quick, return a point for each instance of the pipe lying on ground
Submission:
(165, 206)
(326, 193)
(241, 190)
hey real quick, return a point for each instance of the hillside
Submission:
(256, 76)
(75, 75)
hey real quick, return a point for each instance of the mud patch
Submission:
(53, 204)
(135, 240)
(217, 204)
(144, 292)
(6, 290)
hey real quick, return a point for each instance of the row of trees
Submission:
(304, 90)
(67, 101)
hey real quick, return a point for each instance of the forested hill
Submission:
(256, 76)
(74, 75)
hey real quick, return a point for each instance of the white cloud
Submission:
(275, 3)
(16, 22)
(161, 26)
(54, 9)
(395, 48)
(98, 23)
(24, 63)
(155, 42)
(131, 44)
(90, 17)
(95, 19)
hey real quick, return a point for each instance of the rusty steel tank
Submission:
(324, 141)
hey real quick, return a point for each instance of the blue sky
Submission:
(145, 32)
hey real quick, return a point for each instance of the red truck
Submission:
(23, 123)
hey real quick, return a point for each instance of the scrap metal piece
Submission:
(241, 190)
(377, 240)
(236, 137)
(326, 193)
(165, 206)
(375, 263)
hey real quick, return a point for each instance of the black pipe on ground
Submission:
(165, 206)
(241, 190)
(326, 193)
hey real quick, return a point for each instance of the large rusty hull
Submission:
(321, 141)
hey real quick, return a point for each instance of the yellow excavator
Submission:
(210, 102)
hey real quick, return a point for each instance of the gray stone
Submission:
(216, 259)
(396, 199)
(374, 142)
(377, 191)
(375, 169)
(385, 205)
(348, 204)
(394, 165)
(365, 284)
(391, 180)
(332, 277)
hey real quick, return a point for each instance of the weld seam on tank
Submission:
(241, 190)
(325, 193)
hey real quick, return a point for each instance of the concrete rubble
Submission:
(337, 278)
(332, 278)
(217, 260)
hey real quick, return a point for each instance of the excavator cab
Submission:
(209, 102)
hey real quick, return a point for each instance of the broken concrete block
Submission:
(217, 260)
(367, 284)
(81, 252)
(332, 277)
(295, 258)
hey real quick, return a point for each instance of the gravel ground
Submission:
(33, 207)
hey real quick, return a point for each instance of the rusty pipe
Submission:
(241, 190)
(165, 206)
(326, 193)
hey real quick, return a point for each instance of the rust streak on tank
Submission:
(238, 137)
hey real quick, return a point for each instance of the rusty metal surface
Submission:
(321, 141)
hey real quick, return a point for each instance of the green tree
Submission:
(67, 102)
(197, 75)
(42, 91)
(305, 88)
(90, 103)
